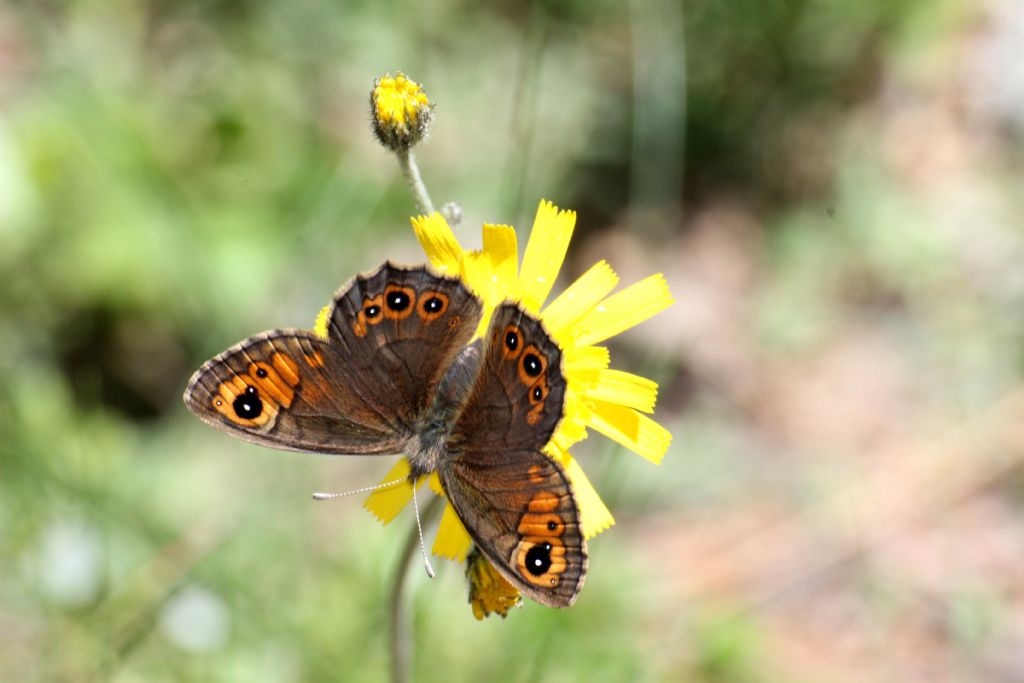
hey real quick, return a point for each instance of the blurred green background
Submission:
(833, 190)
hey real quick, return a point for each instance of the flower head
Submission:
(489, 592)
(597, 397)
(400, 110)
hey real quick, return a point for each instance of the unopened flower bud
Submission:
(401, 111)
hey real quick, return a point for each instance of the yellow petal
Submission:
(577, 300)
(573, 426)
(479, 276)
(385, 504)
(438, 241)
(624, 388)
(501, 247)
(322, 320)
(624, 309)
(637, 432)
(585, 358)
(434, 481)
(568, 434)
(452, 539)
(594, 515)
(549, 240)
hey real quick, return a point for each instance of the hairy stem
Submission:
(411, 173)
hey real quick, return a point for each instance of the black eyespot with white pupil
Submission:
(248, 406)
(398, 301)
(261, 373)
(511, 340)
(531, 364)
(538, 393)
(372, 311)
(433, 304)
(538, 559)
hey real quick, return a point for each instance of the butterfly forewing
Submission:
(286, 389)
(391, 334)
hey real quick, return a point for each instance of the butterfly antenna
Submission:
(365, 489)
(419, 528)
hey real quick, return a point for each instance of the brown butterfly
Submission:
(395, 376)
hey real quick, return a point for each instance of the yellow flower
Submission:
(400, 110)
(597, 397)
(489, 592)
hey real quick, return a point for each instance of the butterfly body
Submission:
(397, 374)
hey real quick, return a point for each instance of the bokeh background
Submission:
(833, 190)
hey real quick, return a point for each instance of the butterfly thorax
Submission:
(431, 443)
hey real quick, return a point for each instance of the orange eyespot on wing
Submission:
(432, 305)
(241, 402)
(540, 555)
(532, 365)
(511, 342)
(255, 398)
(539, 391)
(399, 302)
(371, 313)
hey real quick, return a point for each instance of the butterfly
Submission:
(398, 373)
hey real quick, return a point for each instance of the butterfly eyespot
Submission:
(261, 373)
(512, 342)
(538, 393)
(372, 313)
(398, 301)
(454, 322)
(552, 525)
(432, 305)
(248, 405)
(538, 559)
(532, 365)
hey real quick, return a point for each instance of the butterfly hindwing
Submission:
(520, 510)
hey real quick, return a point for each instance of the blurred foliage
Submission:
(833, 190)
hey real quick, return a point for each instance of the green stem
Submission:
(401, 638)
(411, 173)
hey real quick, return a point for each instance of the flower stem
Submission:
(411, 173)
(401, 635)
